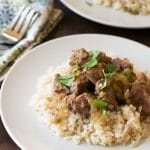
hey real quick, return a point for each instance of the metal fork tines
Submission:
(23, 20)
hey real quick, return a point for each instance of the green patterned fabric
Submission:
(35, 35)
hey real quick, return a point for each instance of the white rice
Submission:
(133, 6)
(122, 127)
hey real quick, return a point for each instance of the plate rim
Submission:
(93, 19)
(4, 121)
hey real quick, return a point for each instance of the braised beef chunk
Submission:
(81, 85)
(59, 88)
(110, 80)
(110, 98)
(118, 85)
(122, 63)
(131, 76)
(80, 104)
(107, 95)
(113, 90)
(79, 56)
(94, 74)
(104, 58)
(140, 94)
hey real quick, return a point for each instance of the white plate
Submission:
(18, 116)
(108, 16)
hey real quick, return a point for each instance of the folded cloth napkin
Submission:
(47, 20)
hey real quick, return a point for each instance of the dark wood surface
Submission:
(74, 24)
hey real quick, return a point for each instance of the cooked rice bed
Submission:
(121, 127)
(133, 6)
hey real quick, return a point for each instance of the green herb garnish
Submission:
(92, 61)
(109, 71)
(110, 68)
(94, 54)
(128, 73)
(100, 104)
(107, 76)
(65, 80)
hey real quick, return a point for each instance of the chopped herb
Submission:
(65, 80)
(128, 73)
(92, 61)
(100, 104)
(110, 68)
(109, 71)
(94, 54)
(109, 75)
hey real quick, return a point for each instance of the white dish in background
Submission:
(19, 118)
(108, 16)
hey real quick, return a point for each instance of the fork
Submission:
(21, 23)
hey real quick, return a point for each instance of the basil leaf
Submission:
(100, 104)
(91, 63)
(94, 54)
(65, 80)
(128, 73)
(110, 68)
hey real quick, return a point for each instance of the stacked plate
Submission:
(108, 16)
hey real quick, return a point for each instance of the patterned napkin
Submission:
(46, 21)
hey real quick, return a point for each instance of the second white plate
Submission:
(108, 16)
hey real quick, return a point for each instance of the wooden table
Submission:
(74, 24)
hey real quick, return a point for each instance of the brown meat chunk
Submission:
(79, 104)
(114, 91)
(119, 84)
(79, 56)
(104, 58)
(110, 98)
(107, 95)
(81, 85)
(140, 94)
(59, 88)
(94, 74)
(122, 63)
